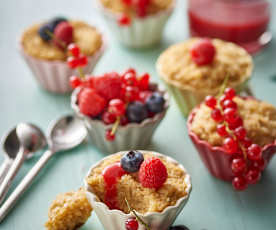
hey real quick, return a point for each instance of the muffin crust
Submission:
(141, 199)
(85, 36)
(259, 120)
(177, 68)
(69, 211)
(117, 6)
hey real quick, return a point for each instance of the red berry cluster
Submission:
(76, 59)
(139, 6)
(247, 161)
(108, 97)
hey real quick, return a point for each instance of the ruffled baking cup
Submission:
(215, 158)
(143, 32)
(115, 219)
(131, 136)
(54, 75)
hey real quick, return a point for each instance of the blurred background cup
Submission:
(244, 22)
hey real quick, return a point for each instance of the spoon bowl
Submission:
(66, 133)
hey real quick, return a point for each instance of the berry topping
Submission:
(63, 35)
(111, 175)
(108, 85)
(130, 93)
(91, 103)
(129, 79)
(132, 224)
(132, 161)
(253, 176)
(230, 93)
(108, 118)
(82, 60)
(254, 152)
(229, 104)
(74, 50)
(72, 62)
(211, 101)
(260, 164)
(109, 135)
(143, 82)
(230, 115)
(179, 227)
(136, 112)
(230, 145)
(238, 165)
(239, 183)
(153, 173)
(45, 32)
(203, 52)
(240, 133)
(144, 95)
(216, 115)
(155, 103)
(53, 23)
(75, 82)
(124, 20)
(117, 107)
(221, 129)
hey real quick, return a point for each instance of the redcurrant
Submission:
(246, 142)
(260, 164)
(229, 104)
(124, 20)
(75, 82)
(129, 79)
(74, 49)
(230, 93)
(230, 145)
(254, 152)
(143, 82)
(253, 176)
(240, 133)
(216, 115)
(108, 118)
(230, 115)
(238, 165)
(239, 183)
(83, 60)
(72, 62)
(211, 101)
(109, 135)
(117, 107)
(221, 129)
(131, 224)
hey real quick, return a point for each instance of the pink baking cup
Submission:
(215, 158)
(54, 75)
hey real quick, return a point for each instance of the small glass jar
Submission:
(244, 22)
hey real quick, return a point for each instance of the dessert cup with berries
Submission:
(234, 136)
(198, 67)
(120, 111)
(45, 49)
(137, 23)
(137, 190)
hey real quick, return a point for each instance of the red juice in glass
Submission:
(244, 22)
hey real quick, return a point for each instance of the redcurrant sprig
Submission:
(247, 162)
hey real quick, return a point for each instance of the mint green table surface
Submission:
(213, 204)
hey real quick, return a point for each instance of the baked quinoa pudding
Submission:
(259, 120)
(153, 191)
(85, 36)
(69, 211)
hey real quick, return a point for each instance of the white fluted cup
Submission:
(115, 219)
(130, 136)
(54, 76)
(142, 32)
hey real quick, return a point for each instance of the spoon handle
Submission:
(5, 168)
(5, 185)
(24, 184)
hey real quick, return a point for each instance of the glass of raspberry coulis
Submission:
(244, 22)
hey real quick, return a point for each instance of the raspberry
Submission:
(203, 52)
(63, 35)
(152, 173)
(91, 103)
(108, 85)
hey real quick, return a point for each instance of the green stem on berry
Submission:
(224, 85)
(115, 126)
(54, 37)
(80, 70)
(136, 215)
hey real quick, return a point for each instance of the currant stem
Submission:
(224, 85)
(80, 70)
(136, 215)
(115, 126)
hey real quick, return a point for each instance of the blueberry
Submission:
(53, 23)
(155, 103)
(44, 32)
(136, 112)
(178, 227)
(131, 161)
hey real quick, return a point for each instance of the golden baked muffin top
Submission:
(117, 6)
(85, 36)
(177, 68)
(259, 119)
(141, 199)
(69, 211)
